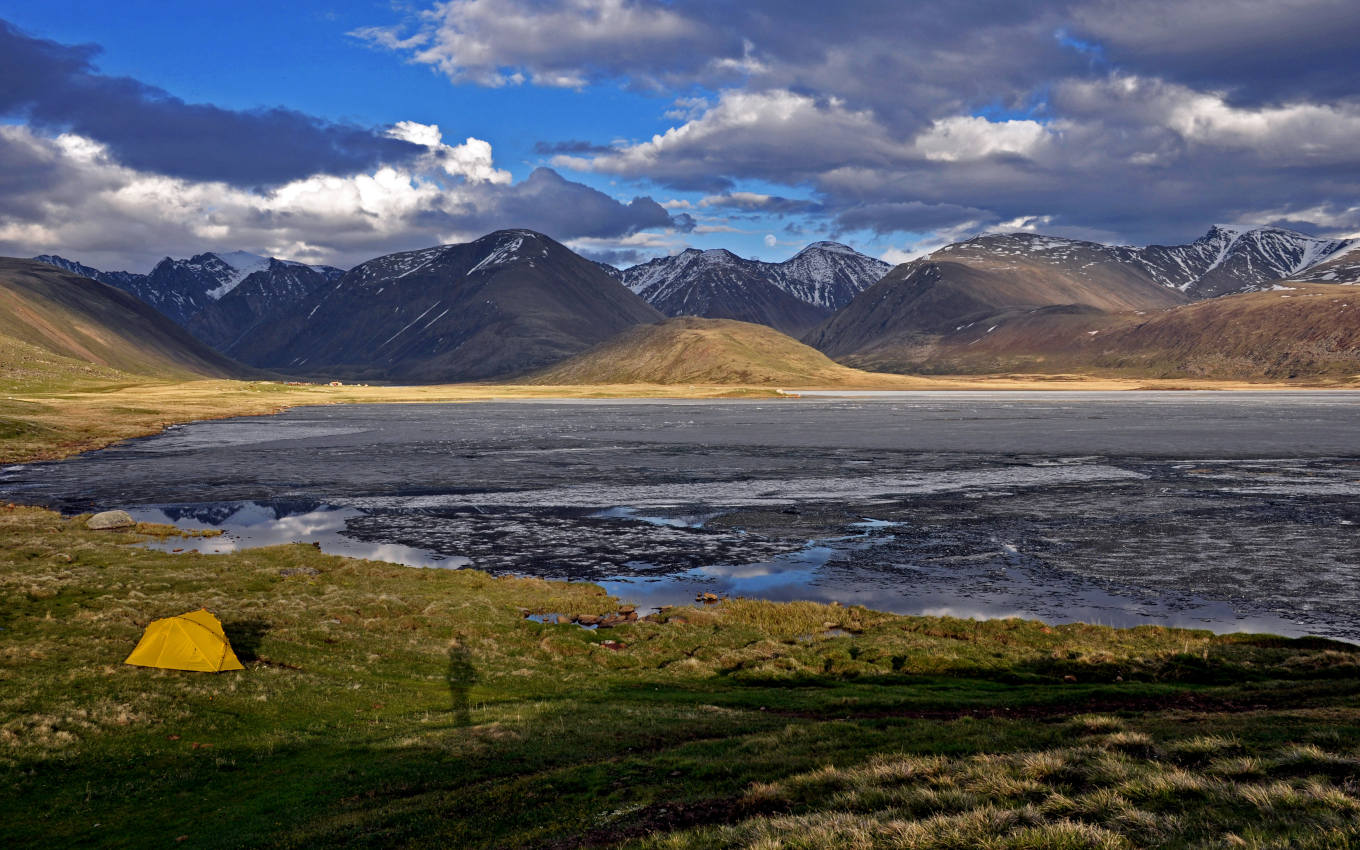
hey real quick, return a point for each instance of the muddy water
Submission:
(1225, 511)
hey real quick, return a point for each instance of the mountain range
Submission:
(906, 320)
(516, 301)
(509, 302)
(217, 296)
(793, 296)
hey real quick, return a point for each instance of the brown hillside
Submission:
(46, 309)
(689, 350)
(953, 289)
(1309, 332)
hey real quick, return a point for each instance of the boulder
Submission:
(109, 520)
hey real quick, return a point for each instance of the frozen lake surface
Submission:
(1232, 511)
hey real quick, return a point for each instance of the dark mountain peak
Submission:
(508, 301)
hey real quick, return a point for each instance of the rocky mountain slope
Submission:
(792, 296)
(1341, 266)
(68, 315)
(261, 296)
(512, 301)
(690, 350)
(1233, 259)
(183, 289)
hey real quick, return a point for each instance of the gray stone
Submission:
(108, 520)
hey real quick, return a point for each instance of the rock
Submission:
(706, 598)
(299, 571)
(627, 609)
(630, 615)
(563, 620)
(109, 520)
(588, 619)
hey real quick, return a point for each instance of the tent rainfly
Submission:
(193, 641)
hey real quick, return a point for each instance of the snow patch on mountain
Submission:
(239, 266)
(827, 275)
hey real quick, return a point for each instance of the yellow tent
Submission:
(193, 641)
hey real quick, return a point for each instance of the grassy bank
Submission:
(383, 705)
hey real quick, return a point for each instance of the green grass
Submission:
(383, 706)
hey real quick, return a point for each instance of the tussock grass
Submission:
(385, 706)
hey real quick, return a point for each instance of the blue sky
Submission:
(894, 127)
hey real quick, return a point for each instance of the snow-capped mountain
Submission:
(1234, 259)
(271, 290)
(1223, 261)
(791, 296)
(999, 282)
(1341, 266)
(184, 288)
(509, 302)
(121, 280)
(829, 274)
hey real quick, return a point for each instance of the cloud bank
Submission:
(1142, 119)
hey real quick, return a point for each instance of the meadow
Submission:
(386, 705)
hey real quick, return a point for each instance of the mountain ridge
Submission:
(74, 317)
(509, 302)
(792, 296)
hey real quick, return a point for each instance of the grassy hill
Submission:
(690, 350)
(1307, 332)
(57, 327)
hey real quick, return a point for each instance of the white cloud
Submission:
(1296, 133)
(94, 209)
(770, 241)
(775, 131)
(506, 42)
(963, 137)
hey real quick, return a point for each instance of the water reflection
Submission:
(852, 569)
(249, 525)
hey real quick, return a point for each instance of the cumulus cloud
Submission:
(565, 44)
(56, 87)
(775, 134)
(1147, 119)
(960, 137)
(79, 200)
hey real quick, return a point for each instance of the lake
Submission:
(1230, 511)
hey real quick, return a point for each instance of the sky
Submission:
(336, 132)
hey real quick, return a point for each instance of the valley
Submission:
(677, 425)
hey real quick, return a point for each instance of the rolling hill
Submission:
(691, 350)
(1302, 331)
(967, 283)
(59, 322)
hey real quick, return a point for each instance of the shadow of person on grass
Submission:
(245, 636)
(461, 676)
